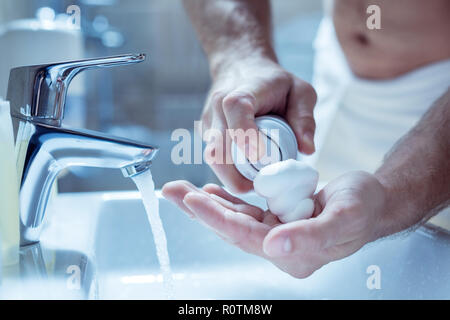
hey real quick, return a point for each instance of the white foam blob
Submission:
(288, 187)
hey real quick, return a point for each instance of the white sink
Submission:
(112, 230)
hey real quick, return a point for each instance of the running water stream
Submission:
(146, 187)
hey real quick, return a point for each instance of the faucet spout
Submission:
(135, 169)
(43, 147)
(51, 149)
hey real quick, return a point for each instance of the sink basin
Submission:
(112, 232)
(412, 266)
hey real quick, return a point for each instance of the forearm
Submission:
(416, 172)
(232, 30)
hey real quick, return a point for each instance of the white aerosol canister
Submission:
(287, 185)
(280, 145)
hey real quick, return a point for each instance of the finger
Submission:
(241, 229)
(310, 235)
(227, 173)
(178, 189)
(221, 192)
(270, 219)
(302, 99)
(213, 102)
(218, 151)
(239, 108)
(318, 208)
(175, 192)
(265, 217)
(217, 142)
(231, 202)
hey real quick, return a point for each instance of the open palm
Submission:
(348, 214)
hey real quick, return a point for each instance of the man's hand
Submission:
(350, 212)
(253, 88)
(247, 81)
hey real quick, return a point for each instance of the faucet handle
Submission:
(39, 92)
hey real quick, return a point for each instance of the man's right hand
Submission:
(247, 82)
(244, 90)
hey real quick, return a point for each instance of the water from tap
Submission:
(146, 187)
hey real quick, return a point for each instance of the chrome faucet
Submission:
(43, 148)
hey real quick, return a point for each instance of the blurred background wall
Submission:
(145, 101)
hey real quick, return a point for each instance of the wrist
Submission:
(222, 61)
(399, 208)
(388, 225)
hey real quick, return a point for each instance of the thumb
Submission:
(309, 235)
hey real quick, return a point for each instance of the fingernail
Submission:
(279, 247)
(189, 214)
(186, 196)
(287, 246)
(308, 139)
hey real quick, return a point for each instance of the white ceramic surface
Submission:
(111, 232)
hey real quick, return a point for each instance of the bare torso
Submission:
(413, 33)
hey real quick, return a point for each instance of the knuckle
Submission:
(341, 210)
(217, 96)
(205, 115)
(215, 99)
(349, 210)
(308, 122)
(283, 77)
(317, 240)
(356, 206)
(309, 239)
(238, 100)
(206, 119)
(307, 92)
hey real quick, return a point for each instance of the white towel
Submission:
(359, 120)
